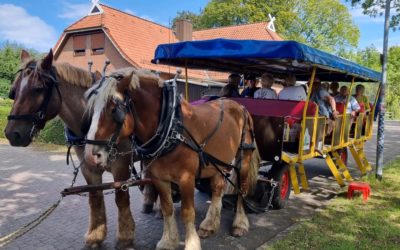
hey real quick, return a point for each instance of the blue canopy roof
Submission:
(253, 56)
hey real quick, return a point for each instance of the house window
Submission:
(79, 45)
(97, 43)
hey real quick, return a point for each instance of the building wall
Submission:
(110, 52)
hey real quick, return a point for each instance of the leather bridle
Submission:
(118, 115)
(39, 117)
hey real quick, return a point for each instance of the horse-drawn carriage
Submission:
(273, 119)
(179, 142)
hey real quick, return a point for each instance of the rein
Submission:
(38, 118)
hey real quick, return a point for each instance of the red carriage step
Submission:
(359, 186)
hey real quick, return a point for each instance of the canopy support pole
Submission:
(381, 123)
(303, 121)
(186, 82)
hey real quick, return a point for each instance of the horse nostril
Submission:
(98, 155)
(17, 136)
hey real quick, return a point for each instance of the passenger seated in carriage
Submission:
(251, 87)
(353, 107)
(362, 100)
(334, 88)
(291, 92)
(266, 92)
(232, 88)
(326, 104)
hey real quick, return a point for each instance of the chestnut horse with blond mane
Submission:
(42, 90)
(178, 142)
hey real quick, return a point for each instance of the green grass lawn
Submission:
(353, 224)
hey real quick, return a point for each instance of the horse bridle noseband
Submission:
(38, 118)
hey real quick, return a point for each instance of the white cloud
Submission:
(129, 11)
(19, 26)
(360, 17)
(74, 11)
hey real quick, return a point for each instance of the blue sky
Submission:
(38, 23)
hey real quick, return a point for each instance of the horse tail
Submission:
(252, 174)
(254, 165)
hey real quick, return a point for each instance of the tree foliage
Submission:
(376, 8)
(323, 24)
(9, 63)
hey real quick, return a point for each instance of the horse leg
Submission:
(170, 237)
(126, 224)
(149, 195)
(97, 221)
(186, 186)
(213, 218)
(149, 198)
(241, 222)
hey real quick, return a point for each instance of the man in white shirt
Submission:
(291, 92)
(353, 107)
(266, 92)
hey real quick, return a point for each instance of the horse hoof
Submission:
(239, 232)
(92, 246)
(163, 245)
(204, 233)
(147, 208)
(124, 245)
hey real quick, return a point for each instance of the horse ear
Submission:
(48, 61)
(97, 75)
(25, 56)
(125, 82)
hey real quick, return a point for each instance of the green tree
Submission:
(376, 8)
(324, 24)
(9, 64)
(393, 86)
(188, 15)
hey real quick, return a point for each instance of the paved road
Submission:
(30, 181)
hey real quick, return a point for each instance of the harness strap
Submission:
(216, 128)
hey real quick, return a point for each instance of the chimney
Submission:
(184, 30)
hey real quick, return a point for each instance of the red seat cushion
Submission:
(277, 108)
(340, 107)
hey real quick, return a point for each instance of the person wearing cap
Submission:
(251, 87)
(232, 88)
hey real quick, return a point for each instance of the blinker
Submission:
(118, 114)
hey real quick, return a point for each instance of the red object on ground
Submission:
(359, 186)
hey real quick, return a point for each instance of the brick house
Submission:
(128, 40)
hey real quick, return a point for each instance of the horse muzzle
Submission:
(18, 138)
(96, 155)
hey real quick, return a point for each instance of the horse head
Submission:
(111, 114)
(36, 99)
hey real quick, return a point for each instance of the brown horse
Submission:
(43, 90)
(130, 103)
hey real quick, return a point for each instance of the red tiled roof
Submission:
(255, 31)
(137, 38)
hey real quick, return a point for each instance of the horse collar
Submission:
(169, 131)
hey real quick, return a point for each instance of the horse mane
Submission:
(109, 86)
(73, 75)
